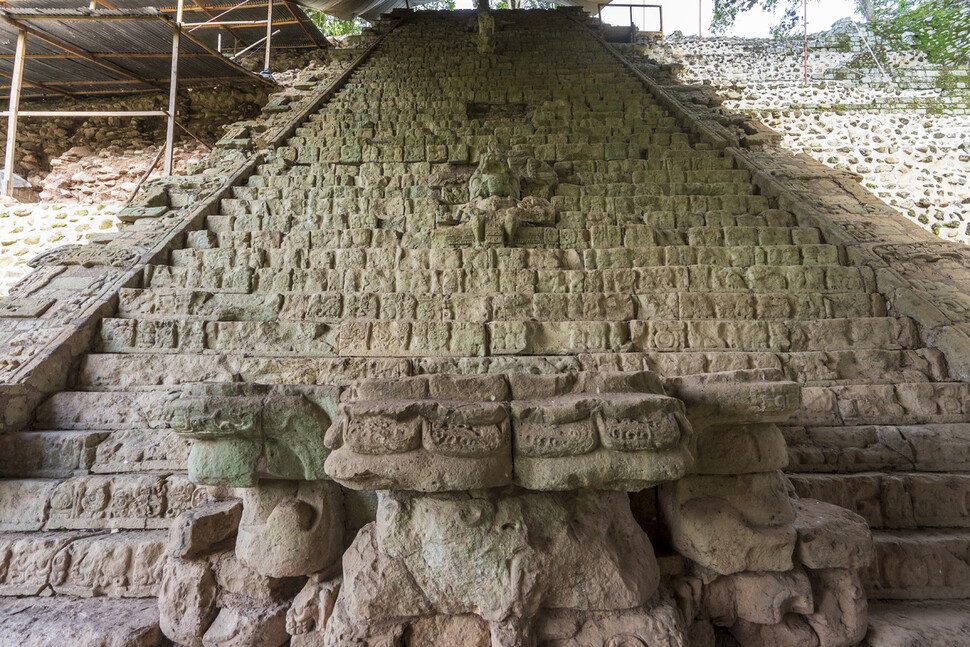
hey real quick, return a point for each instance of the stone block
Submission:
(714, 528)
(740, 449)
(758, 597)
(290, 528)
(237, 437)
(830, 536)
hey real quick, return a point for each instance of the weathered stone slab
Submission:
(919, 565)
(906, 500)
(50, 622)
(927, 448)
(830, 536)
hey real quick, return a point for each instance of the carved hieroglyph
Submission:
(487, 349)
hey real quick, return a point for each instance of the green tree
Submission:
(332, 26)
(941, 28)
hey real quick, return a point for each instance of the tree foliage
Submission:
(331, 26)
(940, 28)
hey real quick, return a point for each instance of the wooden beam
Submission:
(80, 17)
(224, 23)
(43, 57)
(269, 36)
(173, 93)
(75, 50)
(6, 184)
(252, 78)
(87, 113)
(306, 30)
(212, 16)
(243, 24)
(42, 86)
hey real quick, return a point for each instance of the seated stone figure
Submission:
(508, 204)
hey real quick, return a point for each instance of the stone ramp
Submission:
(379, 241)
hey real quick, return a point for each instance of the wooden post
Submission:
(16, 81)
(173, 93)
(269, 35)
(805, 8)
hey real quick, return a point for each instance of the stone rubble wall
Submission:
(29, 229)
(202, 111)
(910, 140)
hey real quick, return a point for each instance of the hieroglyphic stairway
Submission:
(561, 323)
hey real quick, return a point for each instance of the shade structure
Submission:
(81, 52)
(372, 9)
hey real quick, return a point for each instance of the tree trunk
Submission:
(867, 10)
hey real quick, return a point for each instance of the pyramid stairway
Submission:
(324, 267)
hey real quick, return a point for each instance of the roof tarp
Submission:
(80, 52)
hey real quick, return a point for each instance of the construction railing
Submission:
(633, 6)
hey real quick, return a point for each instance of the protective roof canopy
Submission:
(372, 9)
(77, 52)
(74, 51)
(296, 30)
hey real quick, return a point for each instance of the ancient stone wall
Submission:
(498, 340)
(203, 111)
(909, 139)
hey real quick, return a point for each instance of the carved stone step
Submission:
(829, 368)
(123, 501)
(896, 500)
(423, 205)
(81, 622)
(215, 305)
(642, 186)
(145, 371)
(925, 448)
(125, 564)
(457, 339)
(538, 338)
(232, 272)
(918, 624)
(286, 216)
(282, 338)
(769, 244)
(919, 565)
(883, 404)
(58, 454)
(588, 178)
(134, 371)
(114, 410)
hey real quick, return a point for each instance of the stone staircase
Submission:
(911, 483)
(641, 249)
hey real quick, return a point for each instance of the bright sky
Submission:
(682, 15)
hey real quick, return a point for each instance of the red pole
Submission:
(805, 7)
